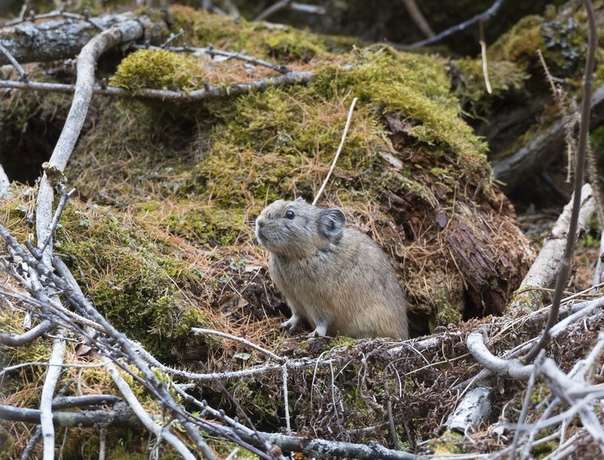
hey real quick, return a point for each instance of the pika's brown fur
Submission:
(334, 277)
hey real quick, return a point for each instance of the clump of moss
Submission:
(157, 69)
(471, 89)
(520, 43)
(284, 44)
(561, 40)
(292, 45)
(132, 279)
(415, 86)
(207, 29)
(208, 225)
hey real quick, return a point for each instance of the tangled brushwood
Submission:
(336, 397)
(142, 322)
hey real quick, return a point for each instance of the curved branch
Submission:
(86, 64)
(50, 382)
(13, 340)
(504, 367)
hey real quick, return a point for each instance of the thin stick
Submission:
(335, 159)
(209, 92)
(483, 54)
(52, 377)
(16, 65)
(55, 220)
(459, 27)
(198, 330)
(286, 402)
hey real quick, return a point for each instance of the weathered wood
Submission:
(61, 38)
(529, 296)
(542, 149)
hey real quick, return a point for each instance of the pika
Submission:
(334, 277)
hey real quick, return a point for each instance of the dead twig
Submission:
(211, 51)
(50, 382)
(57, 216)
(24, 76)
(13, 340)
(291, 5)
(210, 92)
(337, 155)
(418, 18)
(485, 16)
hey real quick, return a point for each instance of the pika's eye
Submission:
(289, 214)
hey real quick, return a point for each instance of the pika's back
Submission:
(336, 278)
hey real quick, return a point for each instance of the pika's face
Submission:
(297, 229)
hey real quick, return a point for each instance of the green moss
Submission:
(472, 91)
(446, 314)
(157, 69)
(207, 29)
(415, 86)
(285, 44)
(520, 43)
(562, 42)
(129, 277)
(208, 225)
(292, 45)
(449, 443)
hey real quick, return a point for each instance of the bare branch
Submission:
(120, 415)
(485, 16)
(474, 409)
(63, 402)
(145, 418)
(505, 367)
(55, 39)
(197, 330)
(337, 155)
(13, 340)
(55, 220)
(211, 92)
(52, 376)
(24, 75)
(86, 64)
(289, 4)
(4, 183)
(418, 18)
(529, 296)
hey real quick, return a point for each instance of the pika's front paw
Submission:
(291, 324)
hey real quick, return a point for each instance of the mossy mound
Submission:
(411, 173)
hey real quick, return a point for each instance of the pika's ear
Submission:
(331, 221)
(300, 199)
